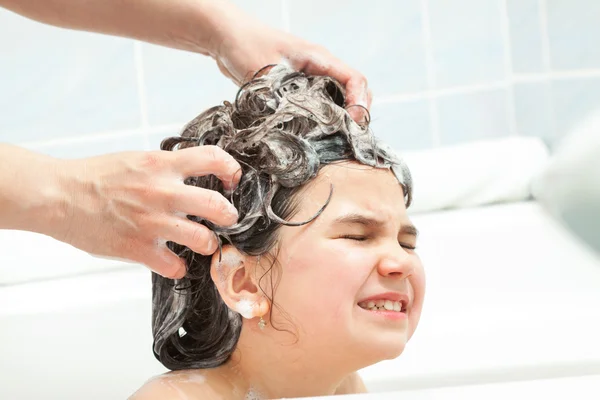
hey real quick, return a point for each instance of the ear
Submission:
(235, 278)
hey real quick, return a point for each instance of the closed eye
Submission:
(407, 246)
(362, 238)
(358, 238)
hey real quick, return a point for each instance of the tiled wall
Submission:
(442, 71)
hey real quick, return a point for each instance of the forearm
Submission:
(30, 194)
(192, 25)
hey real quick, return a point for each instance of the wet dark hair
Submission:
(283, 127)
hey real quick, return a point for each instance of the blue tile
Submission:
(383, 42)
(573, 100)
(574, 31)
(533, 110)
(525, 36)
(180, 85)
(404, 126)
(57, 82)
(467, 41)
(94, 146)
(473, 116)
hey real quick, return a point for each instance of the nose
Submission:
(396, 262)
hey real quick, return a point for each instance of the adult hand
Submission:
(246, 45)
(128, 205)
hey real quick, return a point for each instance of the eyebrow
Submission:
(373, 222)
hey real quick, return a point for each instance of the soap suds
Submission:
(245, 308)
(253, 395)
(229, 260)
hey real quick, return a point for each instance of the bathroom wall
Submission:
(442, 72)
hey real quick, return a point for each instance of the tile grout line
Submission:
(101, 135)
(430, 67)
(141, 88)
(285, 16)
(442, 92)
(559, 75)
(517, 78)
(544, 36)
(547, 63)
(399, 98)
(508, 70)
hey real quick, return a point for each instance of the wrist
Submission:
(29, 196)
(46, 210)
(56, 212)
(198, 30)
(219, 21)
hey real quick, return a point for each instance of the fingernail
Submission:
(362, 101)
(210, 243)
(181, 273)
(231, 185)
(237, 177)
(232, 210)
(356, 114)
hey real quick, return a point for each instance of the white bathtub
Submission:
(511, 296)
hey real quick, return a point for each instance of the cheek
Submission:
(326, 278)
(417, 281)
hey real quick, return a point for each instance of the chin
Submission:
(393, 350)
(387, 348)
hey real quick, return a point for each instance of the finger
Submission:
(324, 64)
(356, 85)
(197, 237)
(226, 72)
(204, 203)
(359, 114)
(357, 91)
(164, 262)
(208, 160)
(263, 71)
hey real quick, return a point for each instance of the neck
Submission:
(274, 366)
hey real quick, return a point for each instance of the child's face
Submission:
(358, 248)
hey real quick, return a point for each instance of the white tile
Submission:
(574, 31)
(473, 116)
(525, 36)
(383, 40)
(267, 11)
(180, 85)
(467, 41)
(534, 111)
(573, 100)
(56, 82)
(404, 126)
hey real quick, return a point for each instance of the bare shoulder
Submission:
(180, 385)
(352, 384)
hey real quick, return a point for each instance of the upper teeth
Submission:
(387, 305)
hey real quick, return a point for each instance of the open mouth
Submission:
(384, 305)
